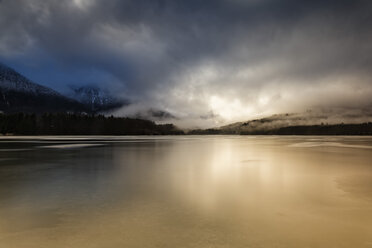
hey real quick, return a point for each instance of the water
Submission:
(211, 191)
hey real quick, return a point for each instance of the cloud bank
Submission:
(206, 62)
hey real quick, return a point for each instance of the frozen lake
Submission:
(185, 191)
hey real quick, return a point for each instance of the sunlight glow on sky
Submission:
(228, 109)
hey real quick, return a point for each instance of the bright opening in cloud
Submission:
(228, 109)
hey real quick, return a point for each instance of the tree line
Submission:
(80, 124)
(335, 129)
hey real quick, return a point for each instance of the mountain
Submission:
(19, 94)
(96, 99)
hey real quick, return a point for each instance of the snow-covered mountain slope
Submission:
(19, 94)
(96, 99)
(12, 80)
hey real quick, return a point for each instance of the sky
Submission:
(208, 63)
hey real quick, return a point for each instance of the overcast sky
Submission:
(208, 62)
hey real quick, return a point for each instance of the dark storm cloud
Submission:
(198, 57)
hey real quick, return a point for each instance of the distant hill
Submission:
(19, 94)
(309, 123)
(334, 129)
(96, 99)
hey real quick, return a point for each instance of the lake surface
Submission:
(186, 191)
